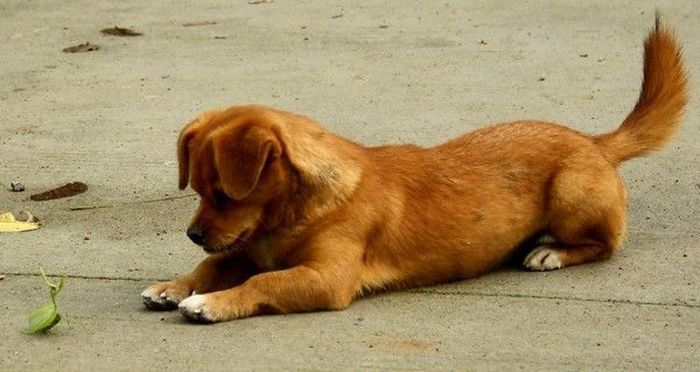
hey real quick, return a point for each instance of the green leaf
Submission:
(45, 317)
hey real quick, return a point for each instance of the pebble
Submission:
(16, 186)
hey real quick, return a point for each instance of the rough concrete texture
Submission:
(376, 72)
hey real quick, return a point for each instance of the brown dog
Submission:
(298, 219)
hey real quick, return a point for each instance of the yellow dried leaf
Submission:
(8, 223)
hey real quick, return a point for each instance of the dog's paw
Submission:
(544, 258)
(196, 309)
(165, 296)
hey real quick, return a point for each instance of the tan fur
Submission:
(299, 219)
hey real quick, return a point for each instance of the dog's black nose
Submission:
(196, 234)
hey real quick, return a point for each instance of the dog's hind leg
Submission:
(586, 210)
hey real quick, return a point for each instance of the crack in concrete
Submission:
(583, 299)
(422, 291)
(127, 203)
(88, 277)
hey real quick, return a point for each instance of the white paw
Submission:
(159, 297)
(194, 308)
(543, 258)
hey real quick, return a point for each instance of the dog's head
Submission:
(249, 164)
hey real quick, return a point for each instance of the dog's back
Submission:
(465, 205)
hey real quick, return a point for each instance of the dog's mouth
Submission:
(237, 243)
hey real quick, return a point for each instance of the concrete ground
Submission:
(376, 72)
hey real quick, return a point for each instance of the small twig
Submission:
(89, 207)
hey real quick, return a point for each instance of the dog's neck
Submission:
(328, 167)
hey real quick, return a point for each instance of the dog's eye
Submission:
(220, 197)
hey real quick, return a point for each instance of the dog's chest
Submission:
(266, 253)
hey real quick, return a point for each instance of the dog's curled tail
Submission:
(661, 103)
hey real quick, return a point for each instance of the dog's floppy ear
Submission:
(241, 156)
(184, 144)
(183, 153)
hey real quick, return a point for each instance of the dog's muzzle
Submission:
(196, 234)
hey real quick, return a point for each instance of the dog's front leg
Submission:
(301, 288)
(214, 273)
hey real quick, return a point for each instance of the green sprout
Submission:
(45, 317)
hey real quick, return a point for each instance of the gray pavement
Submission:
(376, 72)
